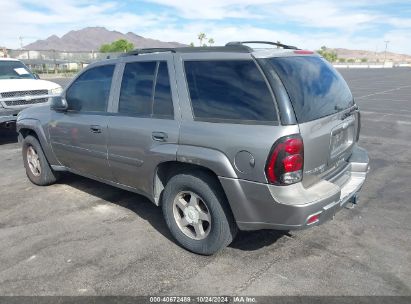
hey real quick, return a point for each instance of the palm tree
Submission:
(201, 37)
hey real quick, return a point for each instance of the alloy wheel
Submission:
(192, 215)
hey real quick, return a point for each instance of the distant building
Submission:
(3, 52)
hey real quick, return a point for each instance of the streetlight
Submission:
(385, 52)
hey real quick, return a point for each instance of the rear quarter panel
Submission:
(245, 147)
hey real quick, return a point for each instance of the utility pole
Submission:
(376, 57)
(21, 42)
(385, 52)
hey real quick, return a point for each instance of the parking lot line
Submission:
(382, 92)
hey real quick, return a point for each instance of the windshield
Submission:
(14, 70)
(315, 88)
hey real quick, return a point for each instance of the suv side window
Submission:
(145, 90)
(90, 92)
(163, 103)
(229, 91)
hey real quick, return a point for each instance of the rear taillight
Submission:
(285, 163)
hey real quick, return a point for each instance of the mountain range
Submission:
(370, 56)
(91, 38)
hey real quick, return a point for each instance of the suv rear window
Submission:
(315, 88)
(231, 91)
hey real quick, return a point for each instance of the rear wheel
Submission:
(37, 167)
(197, 213)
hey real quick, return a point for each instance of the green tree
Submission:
(341, 60)
(364, 59)
(121, 45)
(351, 60)
(202, 37)
(331, 56)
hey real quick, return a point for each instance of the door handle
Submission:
(95, 129)
(159, 136)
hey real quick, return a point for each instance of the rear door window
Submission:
(145, 90)
(163, 103)
(315, 88)
(137, 88)
(229, 90)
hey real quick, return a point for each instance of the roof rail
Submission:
(229, 48)
(284, 46)
(148, 51)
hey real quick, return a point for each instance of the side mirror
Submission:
(36, 75)
(59, 104)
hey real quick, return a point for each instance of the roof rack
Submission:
(234, 46)
(284, 46)
(228, 48)
(148, 51)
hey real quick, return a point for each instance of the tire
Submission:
(198, 198)
(38, 169)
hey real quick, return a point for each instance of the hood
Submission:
(11, 85)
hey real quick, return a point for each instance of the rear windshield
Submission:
(315, 88)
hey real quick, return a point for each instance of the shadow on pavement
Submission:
(138, 204)
(7, 136)
(255, 240)
(142, 207)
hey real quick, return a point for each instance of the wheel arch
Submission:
(166, 170)
(33, 127)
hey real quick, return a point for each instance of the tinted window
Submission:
(137, 88)
(163, 103)
(229, 90)
(315, 88)
(90, 92)
(143, 95)
(14, 70)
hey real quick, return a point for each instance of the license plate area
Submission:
(342, 138)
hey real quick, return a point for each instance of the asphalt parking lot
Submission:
(81, 237)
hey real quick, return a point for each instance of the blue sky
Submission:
(309, 24)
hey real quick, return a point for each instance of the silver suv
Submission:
(222, 138)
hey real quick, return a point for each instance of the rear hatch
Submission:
(325, 111)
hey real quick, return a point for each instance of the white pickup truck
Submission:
(20, 88)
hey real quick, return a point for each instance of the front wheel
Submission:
(37, 167)
(197, 213)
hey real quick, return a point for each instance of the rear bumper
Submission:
(262, 206)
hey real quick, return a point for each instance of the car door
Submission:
(79, 135)
(143, 131)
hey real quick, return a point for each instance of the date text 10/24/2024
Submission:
(203, 299)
